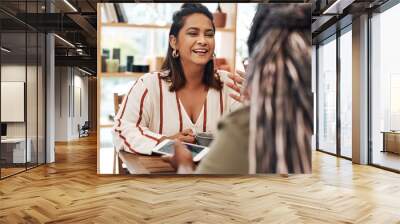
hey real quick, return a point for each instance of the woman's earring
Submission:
(175, 53)
(214, 55)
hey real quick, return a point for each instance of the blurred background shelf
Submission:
(110, 125)
(122, 74)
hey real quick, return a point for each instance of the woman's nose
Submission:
(202, 40)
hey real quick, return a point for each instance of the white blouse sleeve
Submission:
(132, 121)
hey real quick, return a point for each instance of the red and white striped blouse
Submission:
(150, 111)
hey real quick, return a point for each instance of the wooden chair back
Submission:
(117, 102)
(117, 162)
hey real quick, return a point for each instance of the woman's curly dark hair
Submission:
(281, 114)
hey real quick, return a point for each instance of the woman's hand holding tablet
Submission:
(179, 149)
(181, 159)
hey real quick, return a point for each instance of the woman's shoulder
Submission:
(151, 76)
(152, 79)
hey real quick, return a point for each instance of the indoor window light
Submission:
(64, 40)
(5, 50)
(84, 71)
(70, 5)
(337, 7)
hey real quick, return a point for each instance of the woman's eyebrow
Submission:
(198, 29)
(193, 28)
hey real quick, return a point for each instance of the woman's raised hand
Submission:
(236, 85)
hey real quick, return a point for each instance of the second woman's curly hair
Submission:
(280, 84)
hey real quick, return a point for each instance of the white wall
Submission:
(33, 127)
(79, 112)
(61, 103)
(71, 87)
(16, 73)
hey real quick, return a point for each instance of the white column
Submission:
(360, 90)
(50, 100)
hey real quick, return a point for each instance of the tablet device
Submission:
(166, 147)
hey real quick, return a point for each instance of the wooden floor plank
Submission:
(70, 191)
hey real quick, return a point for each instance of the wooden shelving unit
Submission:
(226, 43)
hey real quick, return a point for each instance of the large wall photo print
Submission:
(204, 88)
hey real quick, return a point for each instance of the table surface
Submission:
(144, 164)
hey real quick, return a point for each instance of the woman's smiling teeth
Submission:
(201, 52)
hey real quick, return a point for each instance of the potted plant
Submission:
(219, 17)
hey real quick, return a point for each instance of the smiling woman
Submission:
(186, 96)
(191, 49)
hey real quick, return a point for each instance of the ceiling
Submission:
(77, 23)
